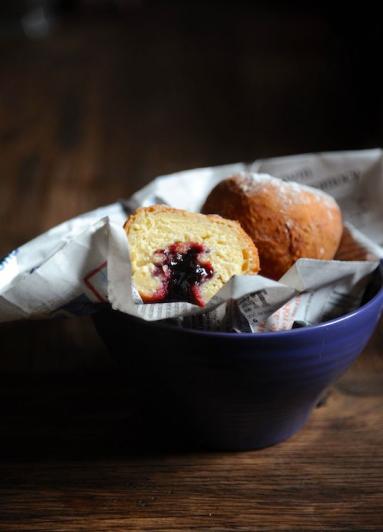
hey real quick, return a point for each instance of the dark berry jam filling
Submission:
(182, 269)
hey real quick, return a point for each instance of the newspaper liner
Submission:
(83, 262)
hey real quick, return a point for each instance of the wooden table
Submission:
(88, 115)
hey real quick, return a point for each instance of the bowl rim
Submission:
(272, 334)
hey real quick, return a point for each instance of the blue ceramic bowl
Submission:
(236, 391)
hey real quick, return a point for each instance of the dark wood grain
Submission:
(72, 459)
(87, 116)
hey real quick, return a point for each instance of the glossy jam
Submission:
(182, 269)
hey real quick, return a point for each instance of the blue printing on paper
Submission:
(7, 259)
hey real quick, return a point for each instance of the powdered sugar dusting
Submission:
(288, 192)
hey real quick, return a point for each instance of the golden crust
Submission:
(351, 249)
(286, 221)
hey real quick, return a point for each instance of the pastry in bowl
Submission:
(286, 220)
(178, 255)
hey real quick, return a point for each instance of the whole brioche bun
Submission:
(178, 255)
(286, 220)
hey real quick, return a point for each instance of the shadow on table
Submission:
(83, 417)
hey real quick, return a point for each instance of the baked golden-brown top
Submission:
(286, 220)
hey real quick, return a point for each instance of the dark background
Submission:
(99, 97)
(96, 99)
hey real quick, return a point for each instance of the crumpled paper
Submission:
(83, 262)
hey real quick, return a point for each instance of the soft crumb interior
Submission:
(158, 230)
